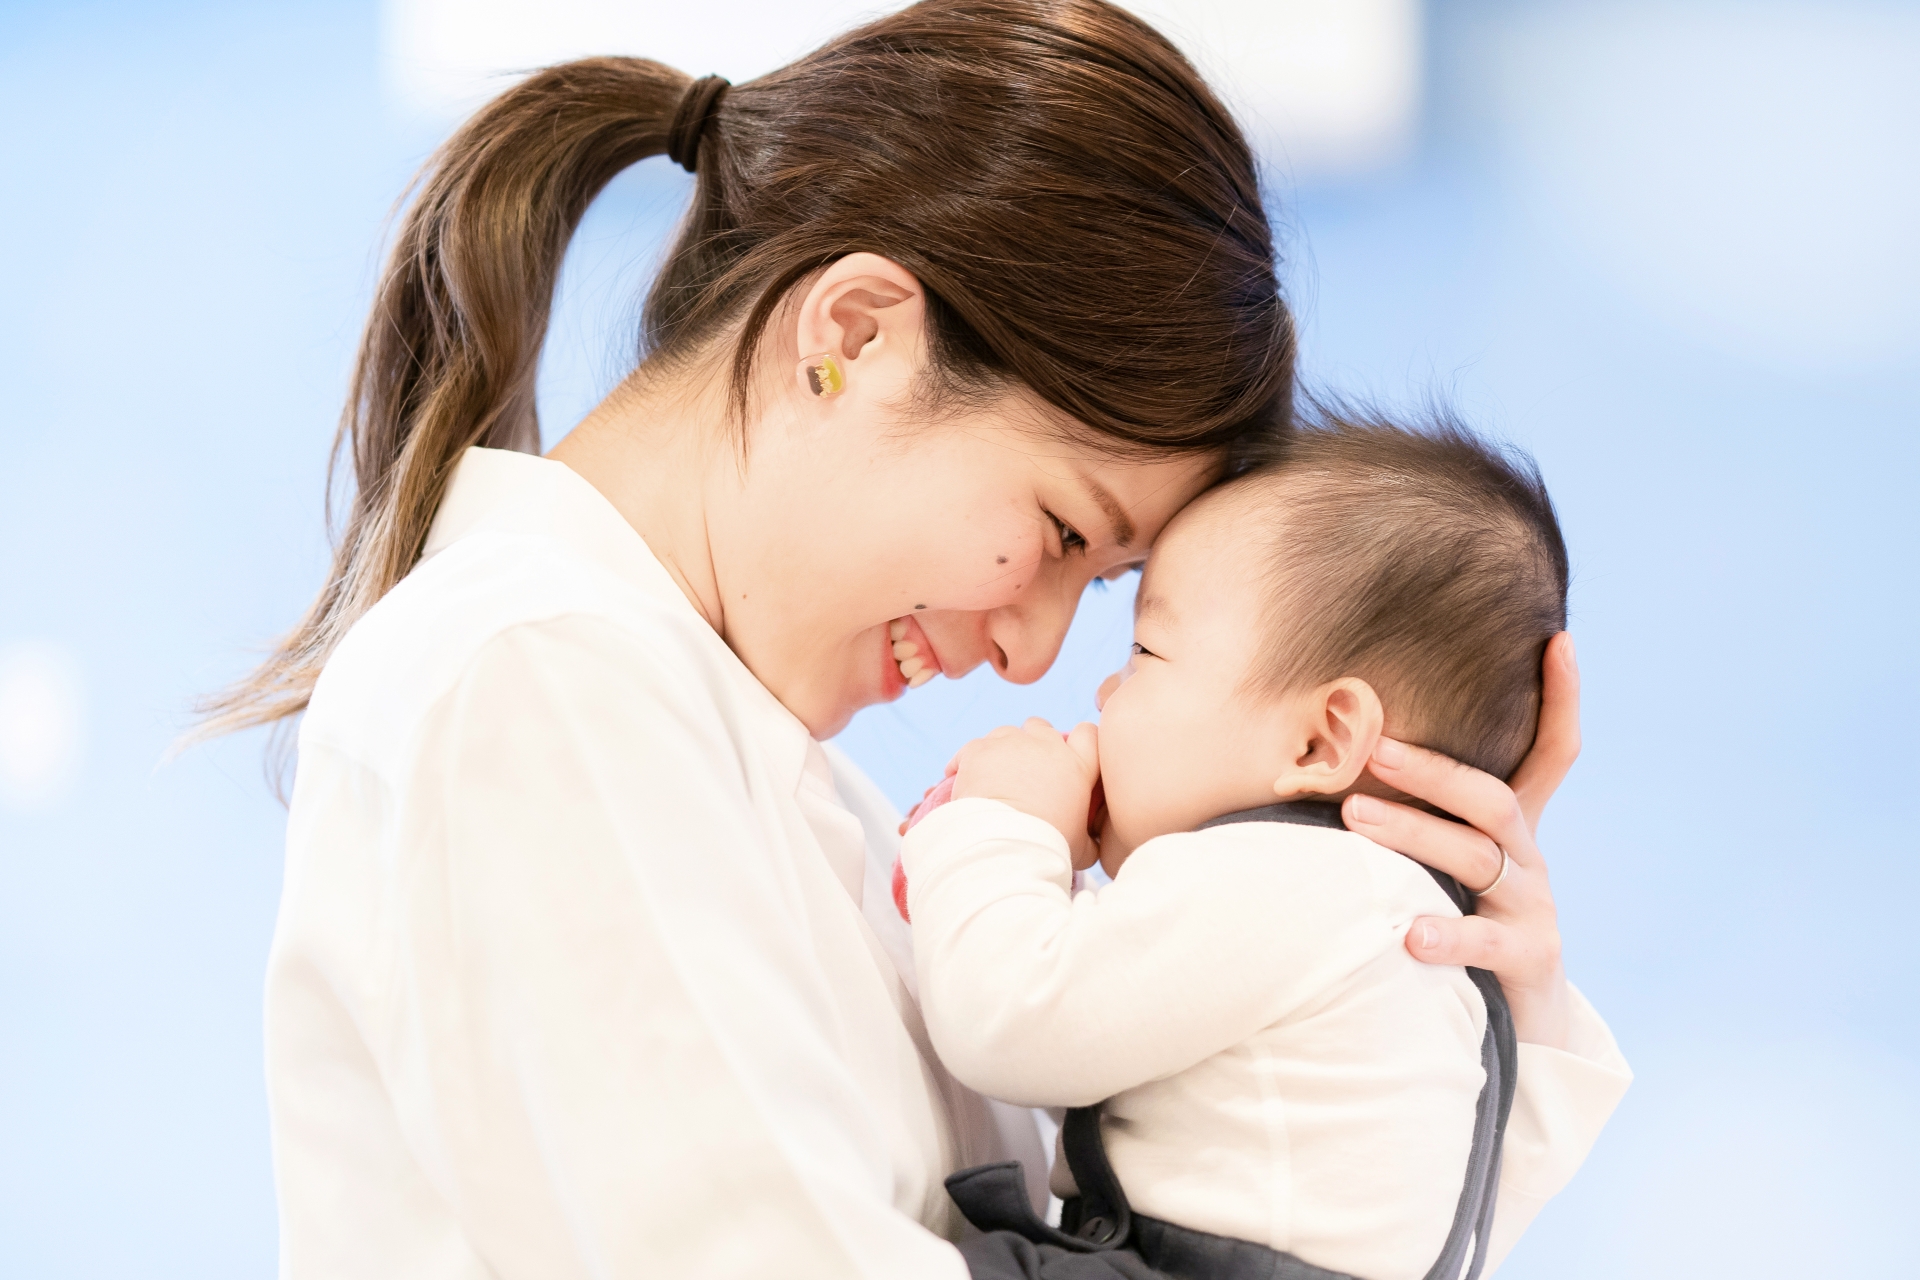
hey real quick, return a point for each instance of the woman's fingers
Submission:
(1556, 744)
(1461, 852)
(1478, 799)
(1514, 931)
(1468, 940)
(1527, 962)
(1443, 940)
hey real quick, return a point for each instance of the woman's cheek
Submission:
(976, 581)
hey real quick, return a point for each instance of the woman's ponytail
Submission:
(451, 351)
(1082, 211)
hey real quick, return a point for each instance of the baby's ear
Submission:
(1332, 736)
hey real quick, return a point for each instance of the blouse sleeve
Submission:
(1563, 1100)
(606, 1037)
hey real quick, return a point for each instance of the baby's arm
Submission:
(1035, 996)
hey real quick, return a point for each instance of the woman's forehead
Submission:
(1140, 497)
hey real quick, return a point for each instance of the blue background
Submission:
(1669, 248)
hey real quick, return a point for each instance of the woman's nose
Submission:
(1026, 638)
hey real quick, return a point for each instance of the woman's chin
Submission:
(828, 724)
(881, 682)
(826, 709)
(830, 720)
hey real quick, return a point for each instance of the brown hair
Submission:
(1422, 559)
(1083, 213)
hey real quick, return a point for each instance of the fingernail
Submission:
(1368, 810)
(1427, 937)
(1390, 753)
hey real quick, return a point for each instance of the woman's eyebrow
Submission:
(1117, 514)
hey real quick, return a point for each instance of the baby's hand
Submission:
(1036, 771)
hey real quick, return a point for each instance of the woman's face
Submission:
(869, 543)
(865, 554)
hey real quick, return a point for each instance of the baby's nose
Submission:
(1106, 689)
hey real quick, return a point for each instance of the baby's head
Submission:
(1378, 579)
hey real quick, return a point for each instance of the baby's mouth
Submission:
(911, 652)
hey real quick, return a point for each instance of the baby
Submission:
(1273, 1068)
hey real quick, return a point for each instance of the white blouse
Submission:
(587, 963)
(1275, 1066)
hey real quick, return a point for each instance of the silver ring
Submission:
(1506, 865)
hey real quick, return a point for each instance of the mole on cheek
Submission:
(919, 606)
(1000, 560)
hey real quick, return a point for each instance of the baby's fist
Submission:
(1037, 771)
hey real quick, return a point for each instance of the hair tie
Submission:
(690, 119)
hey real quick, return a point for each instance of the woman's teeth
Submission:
(914, 669)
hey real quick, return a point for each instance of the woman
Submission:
(586, 963)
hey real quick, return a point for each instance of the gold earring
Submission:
(823, 375)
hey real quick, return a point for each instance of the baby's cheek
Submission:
(1161, 760)
(1135, 788)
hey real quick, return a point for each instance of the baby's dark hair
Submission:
(1431, 564)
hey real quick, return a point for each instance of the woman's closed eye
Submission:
(1070, 539)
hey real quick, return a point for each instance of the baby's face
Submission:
(1181, 740)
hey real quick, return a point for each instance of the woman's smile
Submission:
(912, 659)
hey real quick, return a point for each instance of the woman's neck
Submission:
(649, 448)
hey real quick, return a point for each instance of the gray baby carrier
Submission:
(1101, 1238)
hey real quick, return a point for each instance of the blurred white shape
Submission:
(445, 57)
(1322, 85)
(42, 711)
(1750, 173)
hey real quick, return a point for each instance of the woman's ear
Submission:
(867, 312)
(1334, 729)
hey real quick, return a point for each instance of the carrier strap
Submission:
(1499, 1055)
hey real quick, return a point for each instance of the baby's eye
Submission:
(1070, 539)
(1140, 650)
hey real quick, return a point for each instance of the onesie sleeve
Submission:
(1564, 1098)
(1041, 997)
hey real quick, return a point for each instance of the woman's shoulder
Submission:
(494, 589)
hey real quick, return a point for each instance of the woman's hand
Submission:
(1515, 932)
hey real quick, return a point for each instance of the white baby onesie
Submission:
(1275, 1066)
